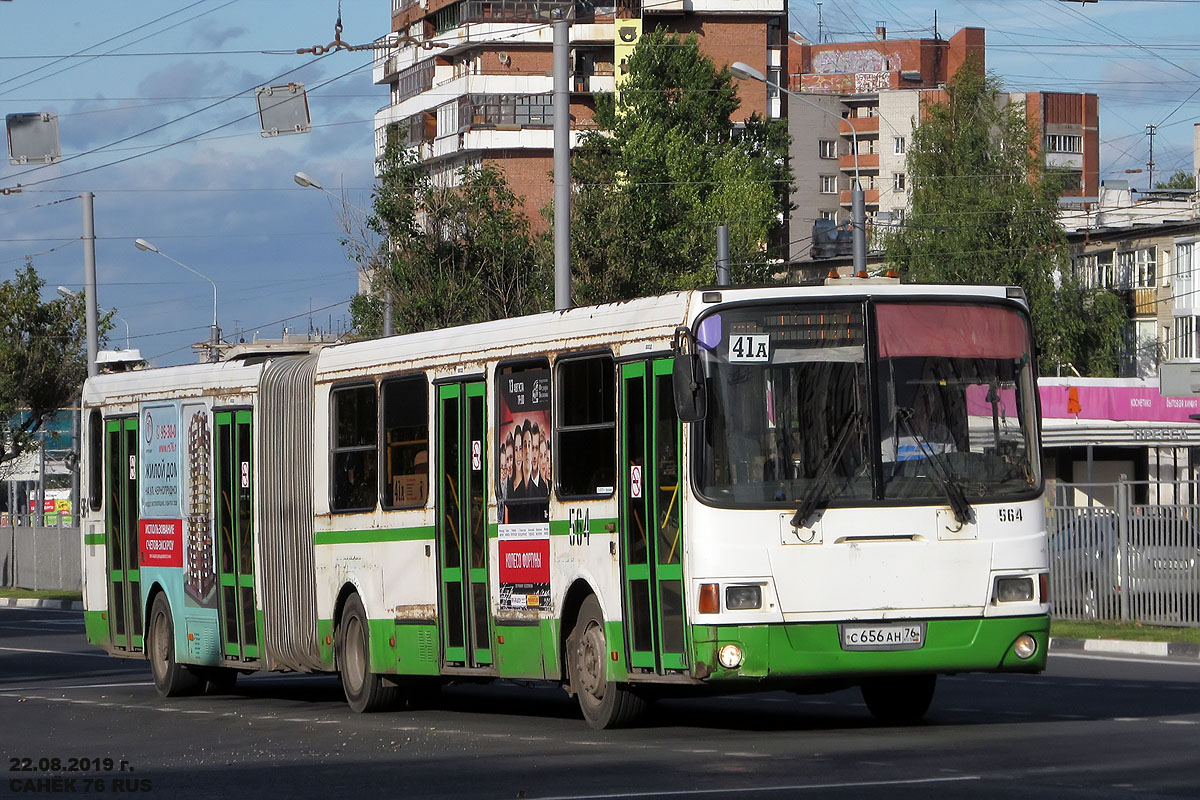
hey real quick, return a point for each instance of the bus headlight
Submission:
(1013, 590)
(742, 598)
(730, 656)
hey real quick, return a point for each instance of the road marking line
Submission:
(753, 789)
(1129, 719)
(77, 686)
(1147, 661)
(1179, 722)
(54, 652)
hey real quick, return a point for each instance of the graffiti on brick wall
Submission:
(869, 82)
(828, 84)
(832, 62)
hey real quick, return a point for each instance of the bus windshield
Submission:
(796, 416)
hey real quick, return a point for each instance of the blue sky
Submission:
(225, 204)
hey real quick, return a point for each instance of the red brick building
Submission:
(471, 80)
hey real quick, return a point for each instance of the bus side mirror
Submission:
(687, 378)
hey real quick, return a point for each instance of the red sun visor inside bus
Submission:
(951, 331)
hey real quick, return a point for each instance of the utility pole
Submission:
(723, 255)
(89, 278)
(562, 164)
(1150, 130)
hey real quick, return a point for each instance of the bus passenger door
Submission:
(121, 533)
(464, 615)
(240, 631)
(651, 518)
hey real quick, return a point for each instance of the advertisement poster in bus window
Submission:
(201, 577)
(523, 491)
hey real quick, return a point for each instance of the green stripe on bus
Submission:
(93, 538)
(378, 535)
(597, 525)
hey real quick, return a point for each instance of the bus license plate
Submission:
(890, 636)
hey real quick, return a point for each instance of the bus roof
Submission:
(628, 327)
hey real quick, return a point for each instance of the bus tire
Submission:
(605, 703)
(171, 679)
(899, 699)
(366, 691)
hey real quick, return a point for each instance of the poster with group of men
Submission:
(523, 456)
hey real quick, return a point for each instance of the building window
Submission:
(828, 184)
(898, 216)
(829, 215)
(898, 145)
(1095, 270)
(898, 181)
(1183, 341)
(1063, 143)
(353, 474)
(587, 427)
(827, 148)
(1137, 269)
(405, 442)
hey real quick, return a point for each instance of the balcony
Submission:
(867, 162)
(514, 10)
(870, 197)
(864, 126)
(505, 111)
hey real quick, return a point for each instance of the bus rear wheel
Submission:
(365, 691)
(171, 679)
(899, 699)
(605, 703)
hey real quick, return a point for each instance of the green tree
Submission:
(984, 210)
(1180, 179)
(449, 256)
(43, 359)
(664, 167)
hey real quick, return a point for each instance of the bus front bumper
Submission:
(798, 651)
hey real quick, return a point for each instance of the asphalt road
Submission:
(1089, 727)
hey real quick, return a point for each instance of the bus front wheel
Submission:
(899, 699)
(171, 679)
(605, 703)
(365, 691)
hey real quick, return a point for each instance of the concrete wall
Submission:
(41, 558)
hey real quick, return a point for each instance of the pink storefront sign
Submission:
(1122, 403)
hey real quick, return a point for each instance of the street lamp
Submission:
(65, 292)
(306, 180)
(858, 205)
(215, 333)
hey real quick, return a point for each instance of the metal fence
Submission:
(34, 557)
(1127, 551)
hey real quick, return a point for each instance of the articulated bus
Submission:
(800, 488)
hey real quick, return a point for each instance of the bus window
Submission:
(95, 460)
(405, 442)
(587, 427)
(353, 473)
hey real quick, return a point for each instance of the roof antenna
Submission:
(820, 26)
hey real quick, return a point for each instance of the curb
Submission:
(30, 602)
(1122, 647)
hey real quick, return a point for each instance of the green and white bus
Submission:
(804, 488)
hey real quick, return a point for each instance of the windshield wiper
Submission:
(814, 498)
(942, 472)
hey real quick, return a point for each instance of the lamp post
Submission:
(304, 179)
(65, 292)
(858, 205)
(215, 333)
